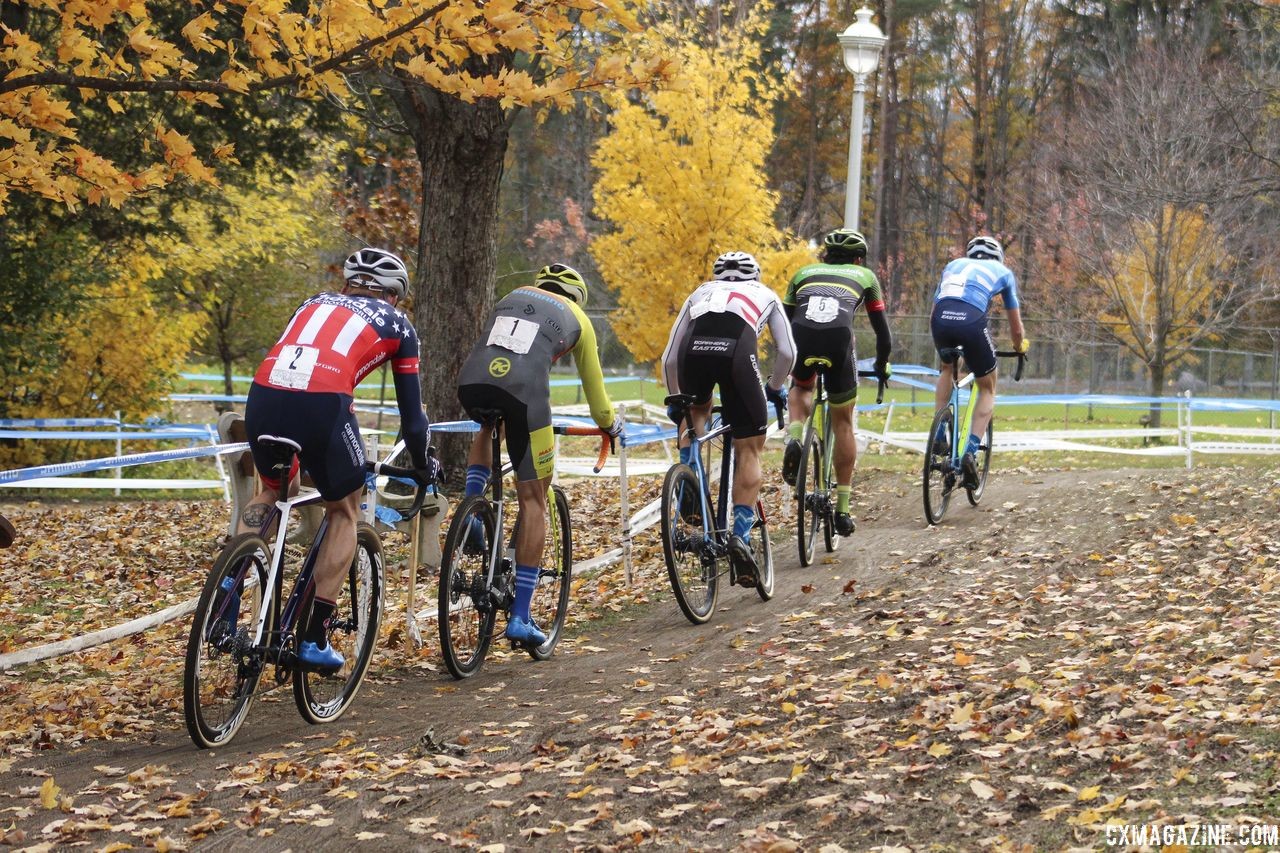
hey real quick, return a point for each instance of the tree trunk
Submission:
(461, 148)
(1156, 371)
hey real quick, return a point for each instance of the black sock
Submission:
(317, 628)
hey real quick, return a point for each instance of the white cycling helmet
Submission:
(736, 266)
(985, 247)
(377, 269)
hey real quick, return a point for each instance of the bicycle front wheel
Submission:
(222, 668)
(690, 566)
(466, 611)
(353, 631)
(984, 465)
(810, 490)
(762, 551)
(830, 538)
(550, 606)
(939, 473)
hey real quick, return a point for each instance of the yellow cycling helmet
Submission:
(563, 279)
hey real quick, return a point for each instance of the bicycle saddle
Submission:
(280, 451)
(817, 360)
(485, 416)
(950, 354)
(682, 401)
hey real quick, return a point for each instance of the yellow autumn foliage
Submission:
(117, 51)
(1162, 288)
(682, 180)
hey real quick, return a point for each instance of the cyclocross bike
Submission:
(697, 519)
(945, 442)
(815, 479)
(478, 580)
(243, 623)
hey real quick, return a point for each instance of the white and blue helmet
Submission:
(985, 247)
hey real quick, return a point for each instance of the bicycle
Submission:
(816, 503)
(476, 584)
(242, 623)
(942, 458)
(695, 540)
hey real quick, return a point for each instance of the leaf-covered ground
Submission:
(1085, 648)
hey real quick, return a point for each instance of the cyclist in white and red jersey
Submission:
(713, 342)
(303, 394)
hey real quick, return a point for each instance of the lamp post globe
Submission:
(861, 44)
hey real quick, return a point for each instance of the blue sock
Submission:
(477, 479)
(743, 518)
(974, 444)
(526, 581)
(684, 454)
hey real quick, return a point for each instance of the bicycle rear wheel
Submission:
(810, 490)
(984, 465)
(222, 670)
(353, 631)
(466, 612)
(690, 567)
(550, 605)
(939, 473)
(762, 551)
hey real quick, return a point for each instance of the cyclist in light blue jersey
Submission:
(960, 307)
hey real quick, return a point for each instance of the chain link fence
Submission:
(1067, 357)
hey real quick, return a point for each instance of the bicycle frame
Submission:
(717, 534)
(966, 422)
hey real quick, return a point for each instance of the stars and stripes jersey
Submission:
(335, 340)
(977, 281)
(757, 305)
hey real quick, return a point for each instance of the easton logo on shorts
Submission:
(954, 315)
(712, 346)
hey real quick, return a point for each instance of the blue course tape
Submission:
(29, 423)
(173, 435)
(63, 469)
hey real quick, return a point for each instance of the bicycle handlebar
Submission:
(607, 443)
(1022, 361)
(883, 381)
(406, 474)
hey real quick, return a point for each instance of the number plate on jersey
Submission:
(294, 367)
(822, 309)
(952, 287)
(512, 333)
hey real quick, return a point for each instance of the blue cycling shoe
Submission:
(524, 631)
(328, 658)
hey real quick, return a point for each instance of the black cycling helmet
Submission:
(377, 269)
(985, 247)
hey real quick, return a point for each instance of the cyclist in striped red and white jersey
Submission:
(713, 342)
(303, 392)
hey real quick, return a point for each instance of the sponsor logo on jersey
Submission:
(500, 367)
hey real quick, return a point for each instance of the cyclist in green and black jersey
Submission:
(821, 302)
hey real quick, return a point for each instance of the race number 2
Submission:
(294, 367)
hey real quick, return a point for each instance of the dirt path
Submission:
(643, 728)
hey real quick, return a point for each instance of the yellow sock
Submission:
(842, 498)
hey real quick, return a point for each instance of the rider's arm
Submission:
(413, 422)
(587, 357)
(780, 326)
(1015, 326)
(671, 355)
(873, 299)
(789, 300)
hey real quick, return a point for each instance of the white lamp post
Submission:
(861, 44)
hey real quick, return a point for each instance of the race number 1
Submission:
(513, 334)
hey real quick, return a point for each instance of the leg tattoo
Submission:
(255, 515)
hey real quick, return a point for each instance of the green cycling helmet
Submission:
(565, 280)
(846, 240)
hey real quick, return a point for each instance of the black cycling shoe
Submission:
(743, 563)
(791, 462)
(844, 524)
(969, 468)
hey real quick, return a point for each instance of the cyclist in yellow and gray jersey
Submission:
(821, 302)
(509, 370)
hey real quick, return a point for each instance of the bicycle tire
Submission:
(938, 477)
(693, 574)
(984, 465)
(830, 538)
(807, 518)
(466, 628)
(550, 606)
(762, 551)
(353, 631)
(214, 707)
